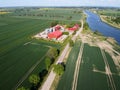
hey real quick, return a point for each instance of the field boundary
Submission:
(28, 73)
(110, 79)
(76, 73)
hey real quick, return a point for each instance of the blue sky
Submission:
(114, 3)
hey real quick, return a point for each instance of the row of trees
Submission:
(59, 68)
(35, 79)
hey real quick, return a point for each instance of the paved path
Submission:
(108, 72)
(76, 73)
(51, 77)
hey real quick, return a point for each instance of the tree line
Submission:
(36, 79)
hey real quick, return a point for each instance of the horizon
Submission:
(60, 3)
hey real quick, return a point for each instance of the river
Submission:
(95, 23)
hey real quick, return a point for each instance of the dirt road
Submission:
(108, 72)
(51, 77)
(76, 73)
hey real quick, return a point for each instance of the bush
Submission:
(47, 63)
(65, 33)
(71, 43)
(53, 53)
(22, 88)
(58, 69)
(34, 79)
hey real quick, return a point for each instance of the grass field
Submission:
(88, 79)
(92, 73)
(18, 51)
(16, 58)
(116, 75)
(66, 80)
(51, 14)
(96, 80)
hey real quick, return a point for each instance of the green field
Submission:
(66, 80)
(50, 14)
(95, 80)
(88, 79)
(19, 53)
(115, 72)
(16, 58)
(92, 73)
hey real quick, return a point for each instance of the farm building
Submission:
(55, 34)
(57, 27)
(75, 27)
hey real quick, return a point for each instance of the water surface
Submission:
(95, 23)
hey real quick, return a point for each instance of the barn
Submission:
(55, 34)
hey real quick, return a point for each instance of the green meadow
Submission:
(19, 52)
(16, 56)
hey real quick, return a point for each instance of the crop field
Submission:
(20, 54)
(92, 73)
(18, 51)
(115, 72)
(88, 79)
(67, 78)
(50, 14)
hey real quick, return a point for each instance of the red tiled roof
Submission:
(75, 27)
(55, 34)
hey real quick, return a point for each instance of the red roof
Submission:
(57, 27)
(75, 27)
(55, 34)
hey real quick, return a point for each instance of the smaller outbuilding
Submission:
(57, 27)
(75, 27)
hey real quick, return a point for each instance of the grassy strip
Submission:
(65, 82)
(107, 22)
(57, 78)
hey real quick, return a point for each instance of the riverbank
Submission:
(114, 25)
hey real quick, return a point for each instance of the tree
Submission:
(71, 43)
(86, 26)
(52, 53)
(47, 63)
(54, 23)
(65, 33)
(34, 79)
(22, 88)
(58, 69)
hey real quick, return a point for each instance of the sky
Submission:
(109, 3)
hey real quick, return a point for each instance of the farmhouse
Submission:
(55, 35)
